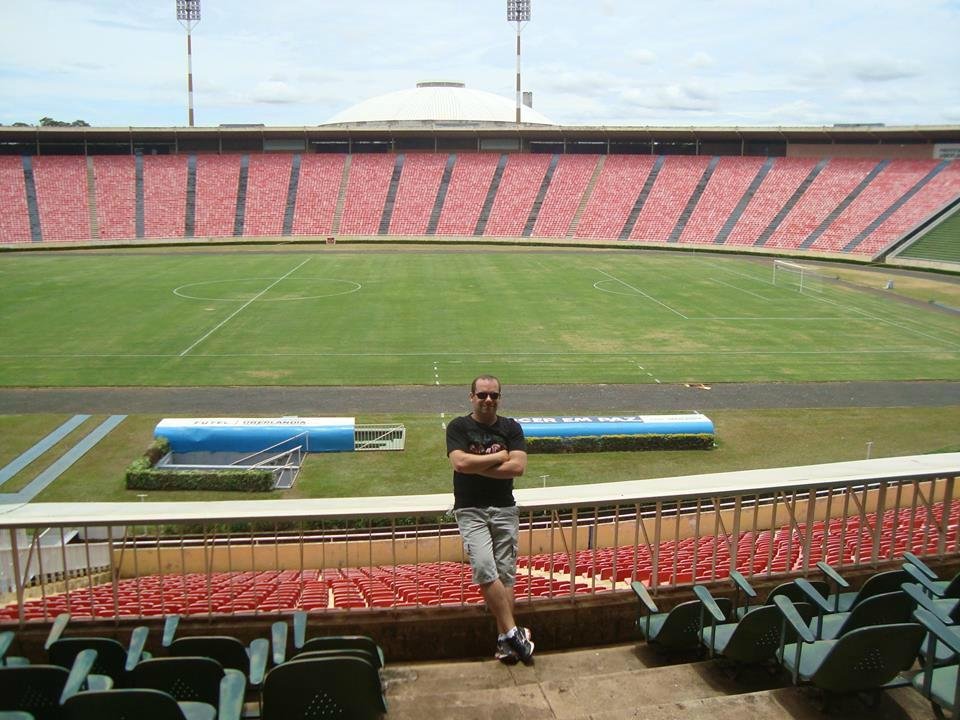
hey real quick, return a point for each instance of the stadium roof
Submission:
(464, 136)
(438, 102)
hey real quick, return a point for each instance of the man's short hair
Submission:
(473, 385)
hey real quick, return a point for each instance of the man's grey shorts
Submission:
(490, 540)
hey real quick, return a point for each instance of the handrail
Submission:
(404, 550)
(727, 484)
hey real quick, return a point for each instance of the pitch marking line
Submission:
(877, 318)
(641, 292)
(734, 287)
(732, 318)
(847, 308)
(436, 383)
(244, 307)
(352, 287)
(649, 374)
(452, 357)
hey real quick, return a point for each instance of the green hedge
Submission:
(142, 475)
(616, 443)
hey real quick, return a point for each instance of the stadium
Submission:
(798, 285)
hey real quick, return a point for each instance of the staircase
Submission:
(614, 683)
(441, 195)
(541, 194)
(641, 198)
(138, 195)
(788, 206)
(291, 204)
(491, 196)
(585, 198)
(92, 199)
(694, 199)
(240, 214)
(341, 195)
(844, 204)
(30, 187)
(190, 212)
(387, 214)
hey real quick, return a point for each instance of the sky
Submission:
(587, 62)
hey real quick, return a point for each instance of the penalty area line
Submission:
(243, 307)
(641, 292)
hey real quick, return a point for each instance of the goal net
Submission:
(792, 275)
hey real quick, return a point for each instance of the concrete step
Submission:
(611, 683)
(790, 703)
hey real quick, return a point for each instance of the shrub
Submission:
(148, 478)
(158, 448)
(143, 475)
(617, 443)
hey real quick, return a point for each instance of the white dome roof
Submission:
(443, 102)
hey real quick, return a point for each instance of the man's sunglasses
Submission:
(485, 395)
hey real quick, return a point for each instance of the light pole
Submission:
(518, 11)
(188, 15)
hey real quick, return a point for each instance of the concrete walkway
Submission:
(553, 399)
(62, 464)
(614, 683)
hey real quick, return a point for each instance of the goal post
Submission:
(791, 274)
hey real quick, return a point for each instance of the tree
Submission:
(50, 122)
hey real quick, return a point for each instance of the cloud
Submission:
(586, 62)
(885, 70)
(275, 92)
(794, 112)
(686, 97)
(642, 56)
(585, 83)
(700, 60)
(876, 95)
(121, 25)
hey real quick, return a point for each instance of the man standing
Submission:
(487, 452)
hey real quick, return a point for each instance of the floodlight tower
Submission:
(518, 11)
(188, 15)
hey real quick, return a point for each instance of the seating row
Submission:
(891, 632)
(196, 677)
(840, 205)
(837, 541)
(845, 542)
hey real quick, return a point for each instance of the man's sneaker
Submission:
(521, 644)
(505, 653)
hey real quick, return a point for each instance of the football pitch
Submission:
(355, 315)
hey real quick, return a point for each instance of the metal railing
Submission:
(359, 554)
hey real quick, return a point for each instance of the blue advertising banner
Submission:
(594, 425)
(328, 434)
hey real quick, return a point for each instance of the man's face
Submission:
(485, 399)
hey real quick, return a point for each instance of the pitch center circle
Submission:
(604, 286)
(244, 289)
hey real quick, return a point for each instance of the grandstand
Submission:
(844, 208)
(393, 567)
(862, 202)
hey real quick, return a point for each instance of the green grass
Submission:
(370, 316)
(941, 244)
(925, 287)
(746, 439)
(20, 432)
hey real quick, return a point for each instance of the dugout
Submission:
(275, 444)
